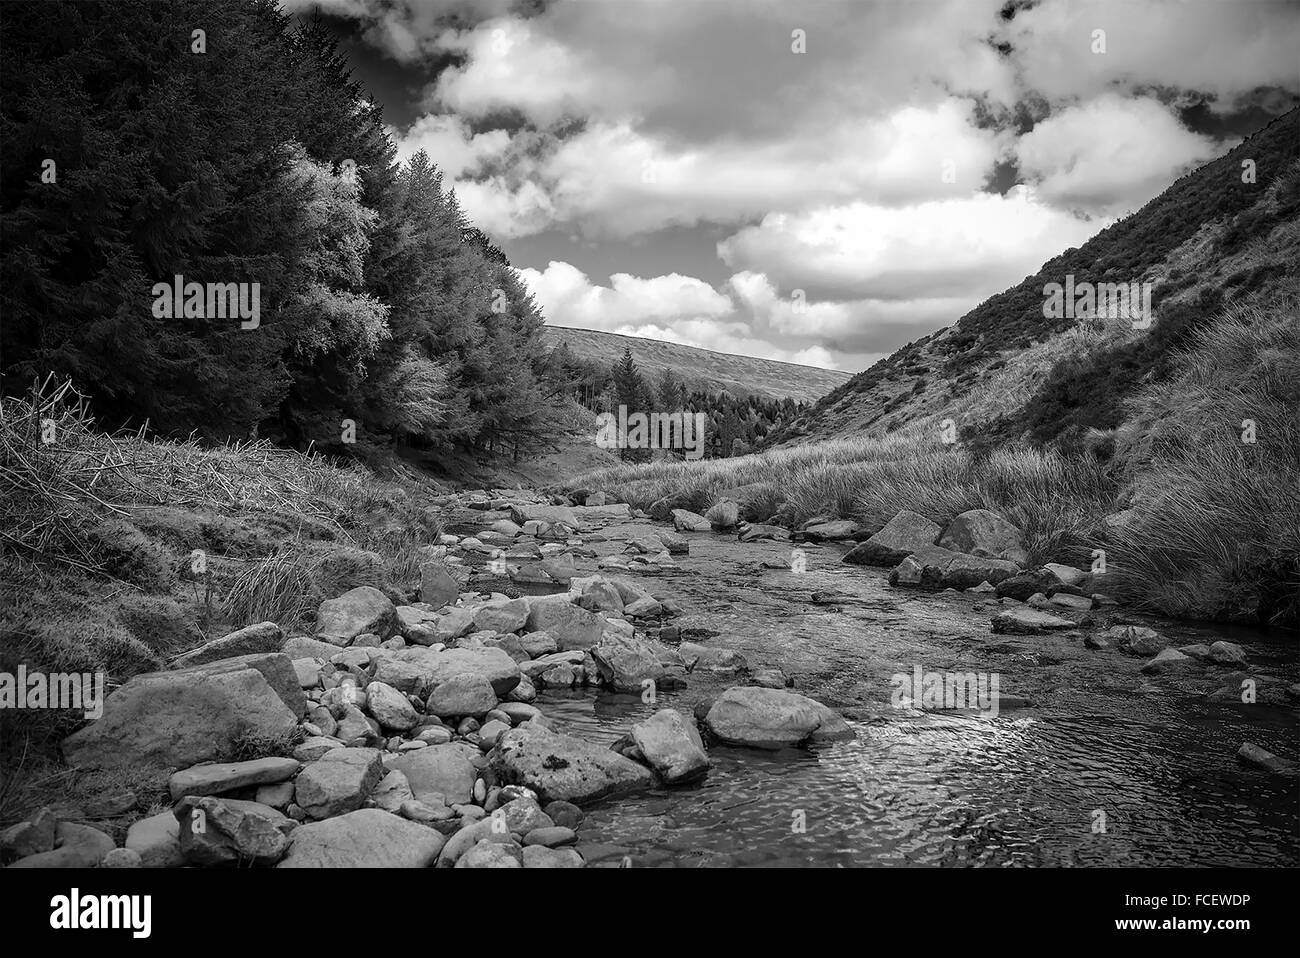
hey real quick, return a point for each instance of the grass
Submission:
(97, 532)
(1215, 529)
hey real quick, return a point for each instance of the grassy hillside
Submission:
(1004, 370)
(702, 369)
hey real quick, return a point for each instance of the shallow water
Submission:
(1027, 787)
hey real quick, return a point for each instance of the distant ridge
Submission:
(703, 369)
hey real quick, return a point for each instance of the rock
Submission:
(1252, 754)
(1024, 585)
(723, 515)
(504, 527)
(75, 846)
(684, 521)
(416, 671)
(1096, 641)
(1135, 640)
(417, 811)
(122, 858)
(1166, 659)
(313, 748)
(437, 586)
(565, 814)
(215, 779)
(179, 719)
(570, 626)
(539, 856)
(771, 718)
(983, 533)
(469, 694)
(390, 708)
(537, 644)
(366, 838)
(1227, 653)
(934, 568)
(491, 732)
(439, 774)
(279, 796)
(523, 513)
(519, 712)
(507, 616)
(902, 536)
(357, 611)
(222, 831)
(339, 781)
(594, 499)
(551, 837)
(625, 663)
(510, 645)
(752, 532)
(703, 658)
(675, 544)
(308, 672)
(522, 815)
(392, 792)
(276, 667)
(832, 531)
(492, 855)
(601, 597)
(32, 837)
(671, 746)
(305, 647)
(524, 692)
(263, 637)
(1028, 622)
(1067, 574)
(559, 767)
(156, 840)
(770, 678)
(1074, 603)
(434, 735)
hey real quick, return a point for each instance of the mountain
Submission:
(702, 369)
(1005, 371)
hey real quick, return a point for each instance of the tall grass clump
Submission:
(1215, 527)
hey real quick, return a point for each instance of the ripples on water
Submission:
(1024, 788)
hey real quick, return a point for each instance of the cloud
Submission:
(964, 248)
(1109, 155)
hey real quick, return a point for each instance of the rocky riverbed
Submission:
(586, 685)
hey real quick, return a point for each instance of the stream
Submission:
(1106, 767)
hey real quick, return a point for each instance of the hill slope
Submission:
(1004, 370)
(703, 369)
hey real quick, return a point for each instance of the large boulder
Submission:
(561, 768)
(672, 746)
(905, 534)
(262, 637)
(468, 694)
(339, 781)
(438, 774)
(418, 670)
(276, 667)
(178, 719)
(366, 838)
(76, 846)
(626, 662)
(935, 568)
(569, 625)
(983, 533)
(360, 611)
(772, 719)
(224, 831)
(157, 840)
(390, 708)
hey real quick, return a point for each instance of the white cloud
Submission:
(1109, 155)
(965, 248)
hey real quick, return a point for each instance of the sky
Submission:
(815, 181)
